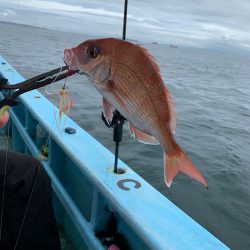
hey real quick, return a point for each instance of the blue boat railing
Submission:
(85, 189)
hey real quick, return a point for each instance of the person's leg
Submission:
(39, 229)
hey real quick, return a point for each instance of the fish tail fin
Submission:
(177, 161)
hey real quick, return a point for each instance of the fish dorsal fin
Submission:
(169, 98)
(150, 57)
(171, 109)
(108, 110)
(141, 136)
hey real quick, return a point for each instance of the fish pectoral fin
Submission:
(141, 136)
(108, 110)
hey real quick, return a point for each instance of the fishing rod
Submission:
(125, 20)
(118, 128)
(31, 84)
(118, 119)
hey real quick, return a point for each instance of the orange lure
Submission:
(129, 80)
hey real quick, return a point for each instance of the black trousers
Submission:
(39, 230)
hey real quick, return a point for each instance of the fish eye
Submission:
(92, 52)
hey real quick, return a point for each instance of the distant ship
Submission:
(173, 46)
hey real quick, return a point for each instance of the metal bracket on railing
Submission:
(116, 123)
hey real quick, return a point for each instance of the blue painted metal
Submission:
(81, 172)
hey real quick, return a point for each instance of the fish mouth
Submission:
(69, 61)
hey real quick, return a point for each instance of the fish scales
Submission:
(136, 99)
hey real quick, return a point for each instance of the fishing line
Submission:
(4, 186)
(51, 95)
(4, 180)
(66, 97)
(30, 197)
(28, 205)
(35, 180)
(33, 185)
(65, 103)
(32, 191)
(4, 175)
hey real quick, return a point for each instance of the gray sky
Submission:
(202, 23)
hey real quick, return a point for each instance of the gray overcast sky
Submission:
(203, 23)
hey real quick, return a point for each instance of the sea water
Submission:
(211, 91)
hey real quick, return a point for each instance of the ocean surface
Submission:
(211, 91)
